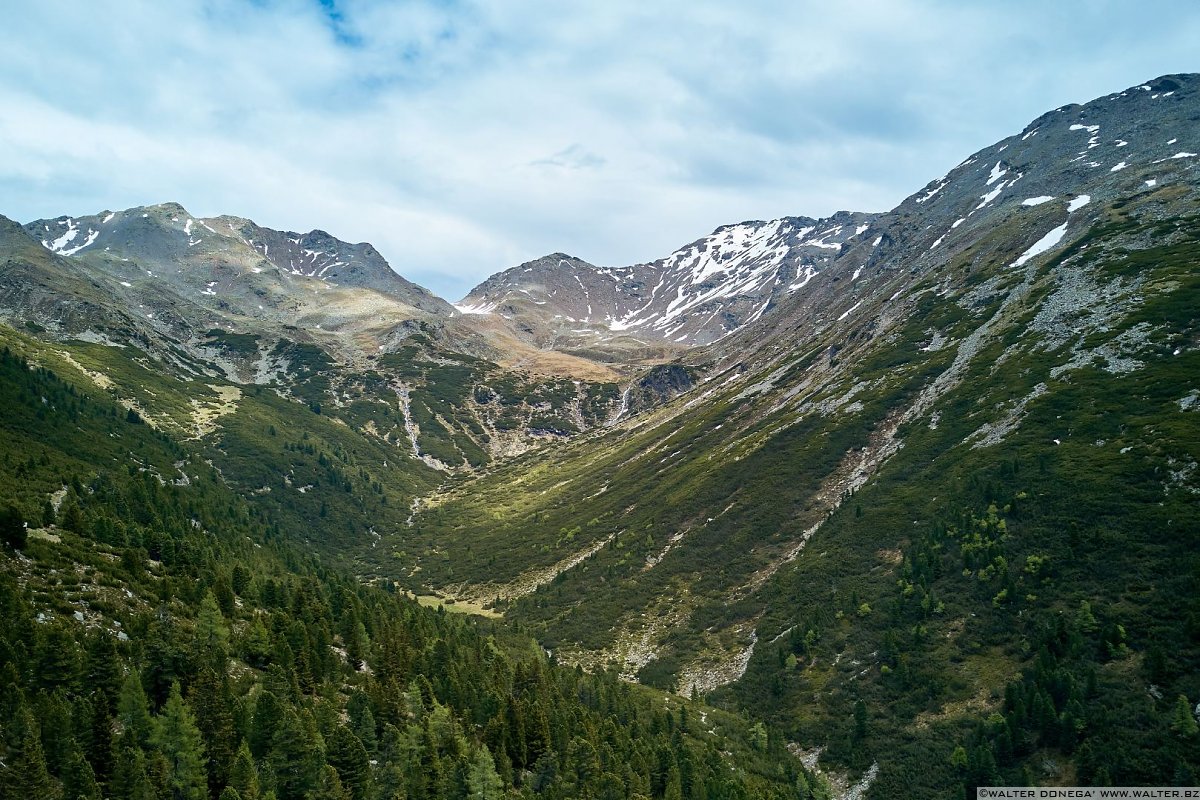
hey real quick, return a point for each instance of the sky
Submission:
(462, 138)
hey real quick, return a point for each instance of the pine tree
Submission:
(242, 775)
(483, 783)
(268, 715)
(57, 657)
(212, 702)
(133, 712)
(1183, 723)
(130, 779)
(398, 757)
(176, 737)
(860, 720)
(211, 642)
(79, 781)
(347, 755)
(102, 667)
(362, 721)
(295, 756)
(674, 787)
(24, 773)
(13, 531)
(329, 786)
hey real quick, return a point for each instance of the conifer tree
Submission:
(176, 737)
(211, 642)
(295, 755)
(130, 780)
(268, 715)
(24, 773)
(212, 702)
(483, 783)
(347, 755)
(329, 786)
(79, 781)
(1183, 723)
(133, 712)
(12, 527)
(242, 775)
(362, 721)
(102, 668)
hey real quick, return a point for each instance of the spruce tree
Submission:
(130, 779)
(346, 754)
(133, 712)
(483, 783)
(212, 702)
(268, 715)
(211, 641)
(1183, 723)
(295, 756)
(176, 737)
(12, 527)
(362, 721)
(24, 773)
(242, 775)
(79, 780)
(329, 786)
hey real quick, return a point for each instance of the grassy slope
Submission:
(200, 531)
(1113, 528)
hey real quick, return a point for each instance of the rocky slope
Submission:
(696, 295)
(1033, 190)
(858, 499)
(935, 493)
(188, 249)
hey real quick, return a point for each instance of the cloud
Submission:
(574, 156)
(463, 136)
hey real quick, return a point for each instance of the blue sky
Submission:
(464, 137)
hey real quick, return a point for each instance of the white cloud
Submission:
(463, 137)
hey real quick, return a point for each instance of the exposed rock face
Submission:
(696, 295)
(190, 250)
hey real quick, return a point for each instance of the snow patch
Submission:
(1079, 202)
(990, 196)
(928, 195)
(1042, 245)
(1119, 167)
(474, 308)
(1036, 201)
(996, 174)
(849, 310)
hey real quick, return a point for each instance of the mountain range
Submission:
(915, 489)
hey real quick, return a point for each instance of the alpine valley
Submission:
(876, 505)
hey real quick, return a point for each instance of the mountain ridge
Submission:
(931, 514)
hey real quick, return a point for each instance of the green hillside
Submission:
(1010, 597)
(163, 636)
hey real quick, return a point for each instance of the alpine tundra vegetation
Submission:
(874, 505)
